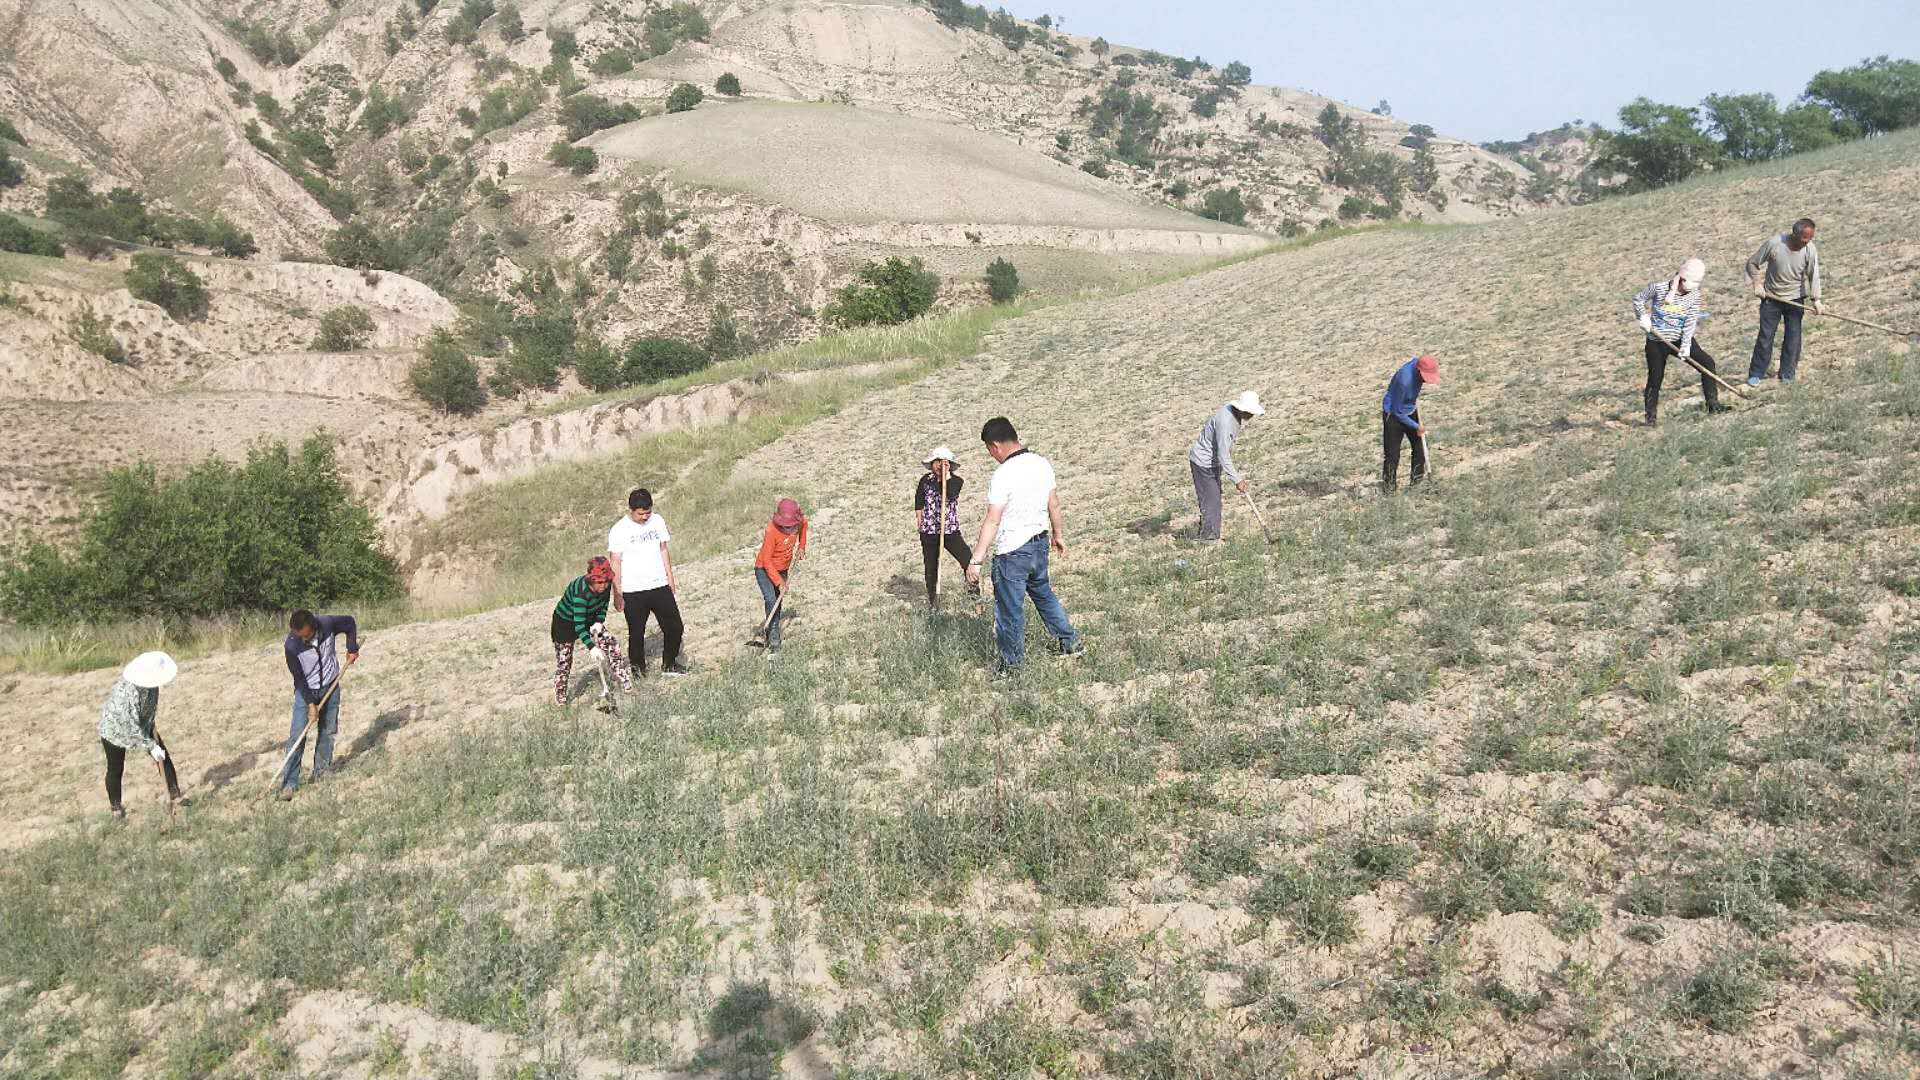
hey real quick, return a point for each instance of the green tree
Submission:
(445, 378)
(885, 294)
(1656, 145)
(1874, 96)
(1236, 74)
(1423, 172)
(1748, 126)
(727, 84)
(512, 28)
(656, 359)
(562, 43)
(725, 341)
(1224, 205)
(580, 160)
(280, 531)
(1337, 130)
(11, 173)
(355, 244)
(1003, 281)
(1100, 48)
(1807, 127)
(17, 236)
(585, 114)
(684, 97)
(598, 365)
(169, 283)
(344, 329)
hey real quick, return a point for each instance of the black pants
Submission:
(1657, 356)
(1391, 432)
(1773, 314)
(930, 555)
(660, 604)
(117, 764)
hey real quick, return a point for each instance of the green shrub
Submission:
(1207, 104)
(619, 257)
(358, 246)
(684, 97)
(120, 214)
(655, 359)
(445, 378)
(91, 333)
(1236, 74)
(1224, 205)
(382, 113)
(512, 28)
(1003, 281)
(612, 62)
(725, 340)
(280, 531)
(18, 236)
(169, 283)
(585, 114)
(344, 329)
(1353, 208)
(728, 84)
(1096, 167)
(11, 172)
(562, 43)
(580, 160)
(599, 367)
(12, 134)
(668, 27)
(886, 294)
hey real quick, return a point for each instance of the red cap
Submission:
(599, 569)
(787, 514)
(1428, 367)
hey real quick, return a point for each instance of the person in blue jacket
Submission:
(1400, 419)
(313, 661)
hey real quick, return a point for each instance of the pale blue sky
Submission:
(1498, 69)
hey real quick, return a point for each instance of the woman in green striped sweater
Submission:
(578, 619)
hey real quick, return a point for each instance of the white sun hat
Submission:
(150, 670)
(938, 453)
(1248, 402)
(1693, 271)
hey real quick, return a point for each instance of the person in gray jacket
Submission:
(1787, 267)
(1211, 457)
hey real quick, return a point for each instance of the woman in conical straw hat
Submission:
(127, 722)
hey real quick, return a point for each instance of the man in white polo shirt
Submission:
(1023, 521)
(643, 582)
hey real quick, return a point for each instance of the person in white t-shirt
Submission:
(1023, 522)
(644, 582)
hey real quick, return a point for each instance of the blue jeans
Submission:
(768, 595)
(1772, 313)
(325, 729)
(1018, 574)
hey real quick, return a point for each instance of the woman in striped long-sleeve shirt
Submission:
(578, 620)
(1669, 312)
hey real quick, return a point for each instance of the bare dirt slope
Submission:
(1596, 752)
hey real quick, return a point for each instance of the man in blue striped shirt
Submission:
(315, 665)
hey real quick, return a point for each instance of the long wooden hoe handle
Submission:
(1846, 318)
(291, 750)
(1675, 350)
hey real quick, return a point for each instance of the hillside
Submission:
(1595, 758)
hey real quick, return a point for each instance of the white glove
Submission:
(597, 629)
(595, 653)
(1819, 308)
(158, 754)
(1646, 323)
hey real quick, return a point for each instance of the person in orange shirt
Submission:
(784, 543)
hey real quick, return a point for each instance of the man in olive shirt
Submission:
(1787, 267)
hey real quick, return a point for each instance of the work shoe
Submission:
(1001, 675)
(119, 815)
(1753, 380)
(1716, 409)
(286, 794)
(675, 668)
(1078, 648)
(182, 801)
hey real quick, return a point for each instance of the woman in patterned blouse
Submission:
(927, 518)
(127, 723)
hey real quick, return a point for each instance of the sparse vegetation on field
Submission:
(94, 334)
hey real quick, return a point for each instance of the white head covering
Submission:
(150, 670)
(1248, 402)
(1692, 271)
(938, 453)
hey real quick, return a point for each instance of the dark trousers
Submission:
(1207, 487)
(660, 604)
(1391, 432)
(1658, 353)
(930, 556)
(1772, 313)
(769, 596)
(117, 763)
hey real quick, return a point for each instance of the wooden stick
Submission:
(1675, 350)
(1908, 334)
(940, 533)
(1255, 507)
(1426, 456)
(291, 750)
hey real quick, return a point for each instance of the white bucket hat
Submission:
(1248, 402)
(150, 670)
(1693, 271)
(939, 453)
